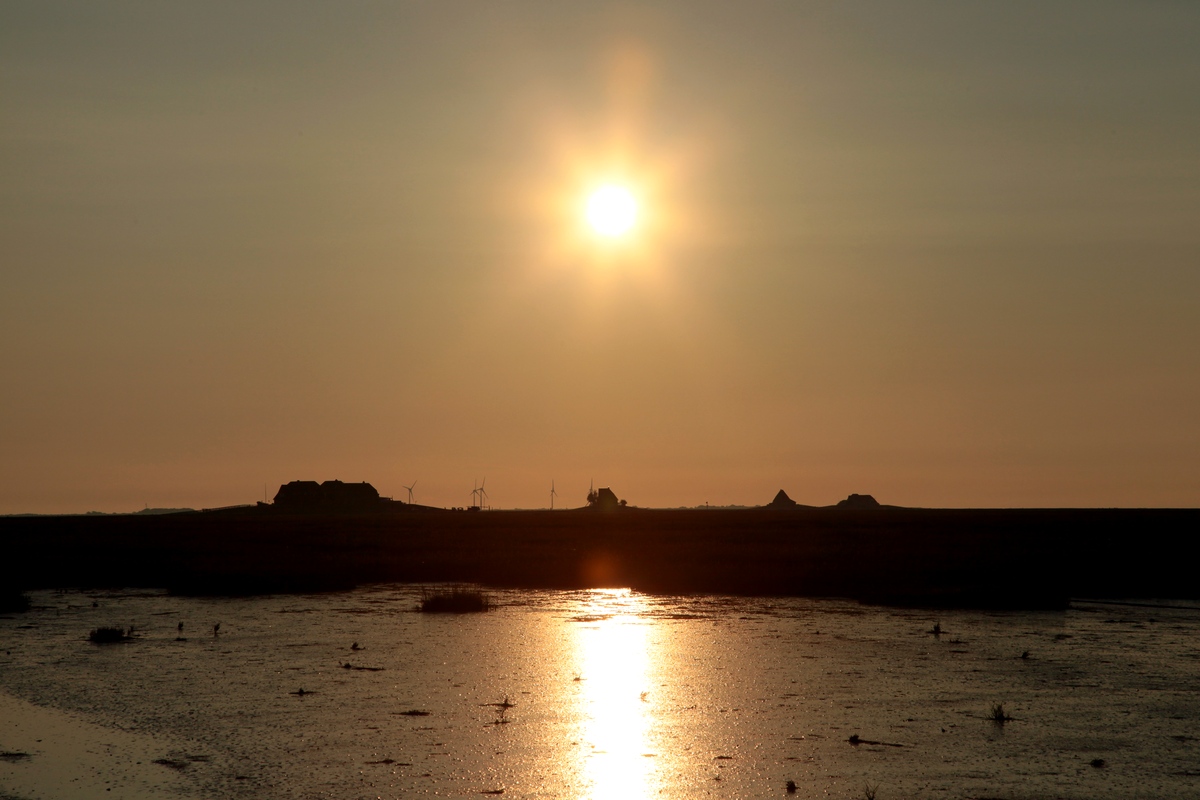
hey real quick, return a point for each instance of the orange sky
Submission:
(944, 253)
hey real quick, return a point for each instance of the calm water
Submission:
(620, 695)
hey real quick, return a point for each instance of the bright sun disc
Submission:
(611, 210)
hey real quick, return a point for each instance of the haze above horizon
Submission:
(943, 253)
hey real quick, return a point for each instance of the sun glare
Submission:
(611, 210)
(616, 666)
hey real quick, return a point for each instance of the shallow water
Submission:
(612, 694)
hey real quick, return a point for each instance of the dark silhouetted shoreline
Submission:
(1007, 558)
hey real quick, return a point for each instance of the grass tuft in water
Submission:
(454, 601)
(869, 791)
(109, 635)
(998, 715)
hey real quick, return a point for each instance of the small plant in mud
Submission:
(936, 630)
(998, 714)
(502, 711)
(109, 635)
(869, 791)
(854, 740)
(790, 787)
(454, 601)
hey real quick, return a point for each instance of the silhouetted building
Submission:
(605, 500)
(299, 496)
(311, 496)
(859, 501)
(783, 501)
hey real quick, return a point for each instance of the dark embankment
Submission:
(928, 557)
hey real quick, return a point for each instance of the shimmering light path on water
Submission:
(614, 694)
(616, 661)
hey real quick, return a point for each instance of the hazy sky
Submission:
(944, 253)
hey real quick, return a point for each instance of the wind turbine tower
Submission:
(410, 490)
(553, 494)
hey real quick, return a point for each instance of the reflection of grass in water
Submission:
(454, 601)
(108, 635)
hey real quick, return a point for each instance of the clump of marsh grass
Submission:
(790, 787)
(869, 791)
(457, 600)
(999, 715)
(109, 635)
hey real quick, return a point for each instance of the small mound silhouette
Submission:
(783, 501)
(859, 501)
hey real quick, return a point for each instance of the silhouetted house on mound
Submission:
(299, 496)
(859, 501)
(604, 500)
(783, 501)
(310, 496)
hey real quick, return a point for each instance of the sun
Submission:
(611, 210)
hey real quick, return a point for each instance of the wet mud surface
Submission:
(610, 694)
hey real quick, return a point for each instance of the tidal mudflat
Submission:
(602, 694)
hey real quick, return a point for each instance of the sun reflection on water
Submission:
(615, 665)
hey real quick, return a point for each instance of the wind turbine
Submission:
(410, 488)
(475, 492)
(482, 492)
(553, 494)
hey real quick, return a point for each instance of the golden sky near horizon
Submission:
(944, 253)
